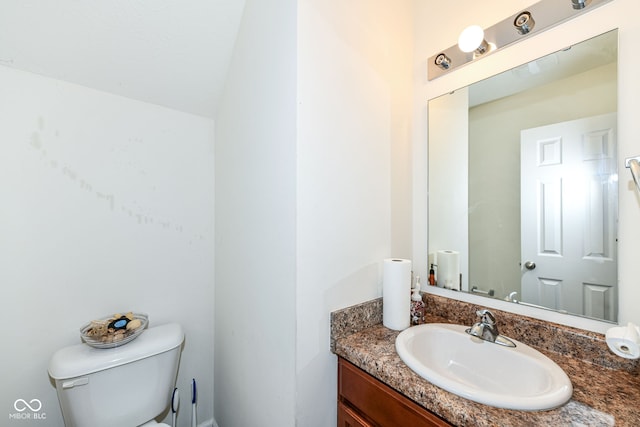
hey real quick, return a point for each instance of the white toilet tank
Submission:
(124, 386)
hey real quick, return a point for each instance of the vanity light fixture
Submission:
(524, 23)
(475, 42)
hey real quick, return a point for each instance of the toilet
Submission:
(125, 386)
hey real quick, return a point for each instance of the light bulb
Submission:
(471, 38)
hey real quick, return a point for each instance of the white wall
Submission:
(353, 179)
(107, 206)
(256, 223)
(440, 30)
(328, 184)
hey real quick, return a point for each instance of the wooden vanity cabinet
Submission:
(364, 401)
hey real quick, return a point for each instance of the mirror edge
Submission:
(536, 313)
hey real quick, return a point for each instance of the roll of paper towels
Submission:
(396, 293)
(624, 341)
(448, 269)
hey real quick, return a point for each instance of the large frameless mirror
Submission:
(523, 183)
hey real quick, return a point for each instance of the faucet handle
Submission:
(487, 317)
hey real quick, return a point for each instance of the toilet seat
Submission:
(154, 423)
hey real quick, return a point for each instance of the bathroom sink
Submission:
(519, 378)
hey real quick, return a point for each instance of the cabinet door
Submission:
(373, 400)
(348, 418)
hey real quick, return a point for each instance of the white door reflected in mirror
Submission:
(568, 211)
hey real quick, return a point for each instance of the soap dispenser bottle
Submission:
(417, 305)
(432, 276)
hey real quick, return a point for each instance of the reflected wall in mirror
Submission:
(523, 183)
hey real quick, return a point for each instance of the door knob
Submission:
(529, 265)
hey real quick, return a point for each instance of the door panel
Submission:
(569, 216)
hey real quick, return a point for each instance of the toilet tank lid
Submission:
(82, 359)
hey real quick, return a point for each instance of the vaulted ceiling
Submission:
(173, 53)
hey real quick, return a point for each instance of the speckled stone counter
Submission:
(606, 387)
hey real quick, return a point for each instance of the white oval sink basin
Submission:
(519, 378)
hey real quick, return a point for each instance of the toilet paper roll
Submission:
(624, 341)
(396, 293)
(448, 269)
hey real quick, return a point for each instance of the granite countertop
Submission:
(606, 387)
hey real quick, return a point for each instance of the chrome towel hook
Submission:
(633, 163)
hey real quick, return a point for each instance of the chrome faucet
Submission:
(487, 329)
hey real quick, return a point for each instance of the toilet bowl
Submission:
(129, 385)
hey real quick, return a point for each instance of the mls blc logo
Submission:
(21, 405)
(27, 410)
